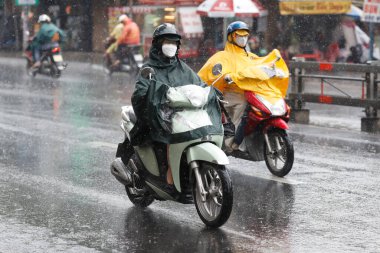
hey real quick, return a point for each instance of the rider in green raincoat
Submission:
(149, 97)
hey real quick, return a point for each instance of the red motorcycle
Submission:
(263, 128)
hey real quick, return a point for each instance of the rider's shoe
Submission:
(169, 188)
(115, 64)
(36, 65)
(235, 146)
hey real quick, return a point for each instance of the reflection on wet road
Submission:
(57, 195)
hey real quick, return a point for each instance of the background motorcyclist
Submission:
(47, 37)
(170, 70)
(129, 37)
(233, 58)
(111, 41)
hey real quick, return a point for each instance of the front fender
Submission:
(277, 123)
(208, 152)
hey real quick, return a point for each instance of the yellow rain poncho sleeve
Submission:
(116, 33)
(244, 72)
(232, 59)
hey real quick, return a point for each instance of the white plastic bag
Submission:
(190, 95)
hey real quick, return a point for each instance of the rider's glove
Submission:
(228, 79)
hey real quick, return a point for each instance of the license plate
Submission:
(57, 58)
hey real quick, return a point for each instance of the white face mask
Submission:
(169, 50)
(241, 41)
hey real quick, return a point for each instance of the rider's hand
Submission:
(228, 79)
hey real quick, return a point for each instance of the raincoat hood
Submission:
(158, 60)
(234, 49)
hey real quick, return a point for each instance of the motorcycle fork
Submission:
(198, 179)
(266, 138)
(269, 146)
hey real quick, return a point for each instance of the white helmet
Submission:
(43, 18)
(122, 17)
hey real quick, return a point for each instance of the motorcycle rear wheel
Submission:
(139, 199)
(216, 210)
(280, 160)
(55, 72)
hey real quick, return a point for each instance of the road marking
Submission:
(274, 178)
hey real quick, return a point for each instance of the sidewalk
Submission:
(337, 126)
(342, 138)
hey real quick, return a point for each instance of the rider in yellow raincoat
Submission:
(237, 68)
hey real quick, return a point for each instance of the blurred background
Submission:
(327, 30)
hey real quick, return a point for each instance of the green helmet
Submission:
(167, 31)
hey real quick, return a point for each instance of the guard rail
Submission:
(327, 73)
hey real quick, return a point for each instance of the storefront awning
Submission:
(117, 11)
(294, 7)
(191, 24)
(355, 12)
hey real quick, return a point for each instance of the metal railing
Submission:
(329, 72)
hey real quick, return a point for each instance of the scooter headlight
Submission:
(279, 108)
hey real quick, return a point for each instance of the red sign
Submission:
(325, 66)
(325, 99)
(371, 11)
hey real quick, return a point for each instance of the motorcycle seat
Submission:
(133, 46)
(49, 46)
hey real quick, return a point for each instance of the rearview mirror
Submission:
(147, 72)
(278, 56)
(217, 69)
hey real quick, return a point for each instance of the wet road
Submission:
(58, 137)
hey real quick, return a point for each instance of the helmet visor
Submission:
(171, 37)
(241, 32)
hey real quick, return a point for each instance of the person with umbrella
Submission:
(233, 58)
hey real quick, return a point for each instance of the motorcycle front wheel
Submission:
(106, 67)
(280, 160)
(216, 208)
(137, 193)
(29, 70)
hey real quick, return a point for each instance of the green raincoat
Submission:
(46, 33)
(150, 102)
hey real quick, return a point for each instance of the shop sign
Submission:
(291, 7)
(191, 23)
(371, 11)
(27, 2)
(171, 2)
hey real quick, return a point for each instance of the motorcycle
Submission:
(131, 61)
(198, 166)
(264, 124)
(51, 61)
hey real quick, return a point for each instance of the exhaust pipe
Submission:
(121, 172)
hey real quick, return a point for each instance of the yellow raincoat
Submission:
(243, 67)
